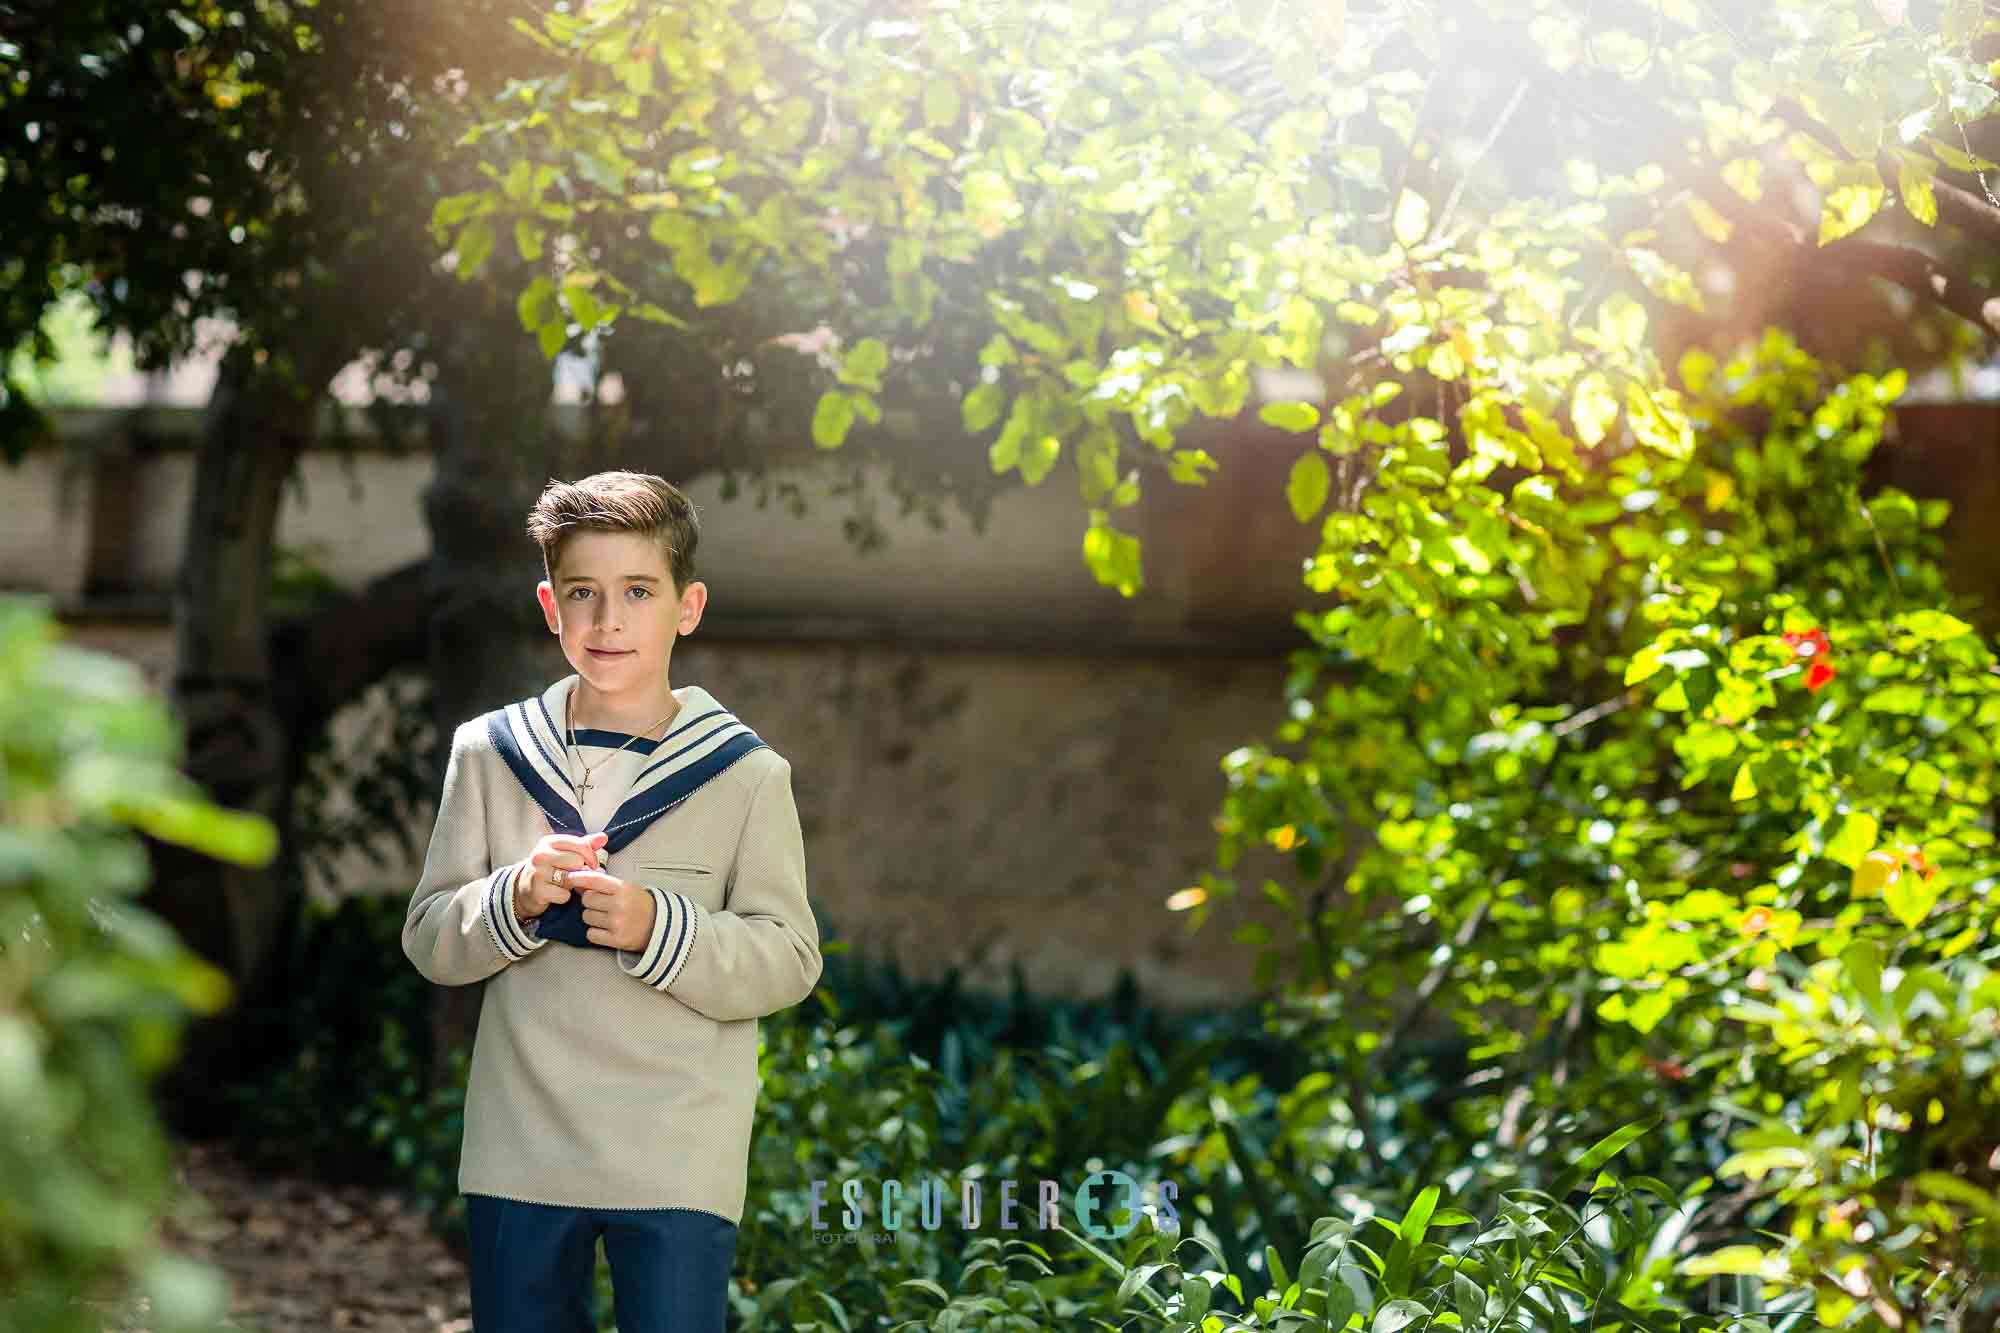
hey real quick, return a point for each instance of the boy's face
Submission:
(614, 605)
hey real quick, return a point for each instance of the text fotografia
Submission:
(1106, 1205)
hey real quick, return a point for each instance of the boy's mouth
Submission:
(607, 656)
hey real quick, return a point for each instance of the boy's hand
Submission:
(617, 913)
(535, 889)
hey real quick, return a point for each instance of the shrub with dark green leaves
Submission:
(1592, 1252)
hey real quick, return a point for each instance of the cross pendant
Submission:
(583, 788)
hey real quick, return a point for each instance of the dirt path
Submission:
(302, 1255)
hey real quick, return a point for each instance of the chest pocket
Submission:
(691, 869)
(696, 879)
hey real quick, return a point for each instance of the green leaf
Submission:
(455, 208)
(1340, 1304)
(928, 1287)
(1745, 785)
(864, 365)
(1409, 1236)
(1413, 218)
(1275, 1267)
(1308, 486)
(528, 239)
(536, 305)
(1397, 1315)
(1914, 176)
(1097, 463)
(1189, 467)
(583, 307)
(1470, 1300)
(1645, 1013)
(653, 314)
(1038, 455)
(1943, 1185)
(1601, 1152)
(1113, 556)
(1755, 1162)
(1855, 839)
(1911, 896)
(226, 835)
(1195, 1296)
(1847, 209)
(474, 244)
(1621, 321)
(552, 337)
(1657, 420)
(1903, 697)
(1934, 626)
(1294, 417)
(1738, 1260)
(981, 408)
(1593, 408)
(1004, 454)
(605, 173)
(832, 419)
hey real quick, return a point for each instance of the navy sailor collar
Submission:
(703, 741)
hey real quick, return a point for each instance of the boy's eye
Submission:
(577, 594)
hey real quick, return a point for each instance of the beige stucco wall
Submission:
(968, 809)
(43, 545)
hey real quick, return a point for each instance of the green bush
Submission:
(1728, 728)
(1593, 1252)
(94, 990)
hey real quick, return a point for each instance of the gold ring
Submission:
(559, 877)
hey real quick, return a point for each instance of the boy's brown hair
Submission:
(617, 502)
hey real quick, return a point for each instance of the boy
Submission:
(624, 861)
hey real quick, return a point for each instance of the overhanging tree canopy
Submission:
(1143, 214)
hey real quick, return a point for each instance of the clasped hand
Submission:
(616, 912)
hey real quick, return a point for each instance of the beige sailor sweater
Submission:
(604, 1077)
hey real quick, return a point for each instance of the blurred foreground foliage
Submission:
(94, 990)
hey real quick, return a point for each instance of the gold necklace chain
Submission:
(583, 788)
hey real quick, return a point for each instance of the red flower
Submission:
(1812, 643)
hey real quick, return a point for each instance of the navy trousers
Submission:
(534, 1267)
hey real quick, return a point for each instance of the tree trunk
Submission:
(236, 748)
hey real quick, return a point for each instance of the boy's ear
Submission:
(694, 600)
(546, 595)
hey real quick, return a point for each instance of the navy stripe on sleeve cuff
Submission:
(509, 935)
(676, 923)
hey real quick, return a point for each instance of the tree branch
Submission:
(1917, 272)
(1959, 206)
